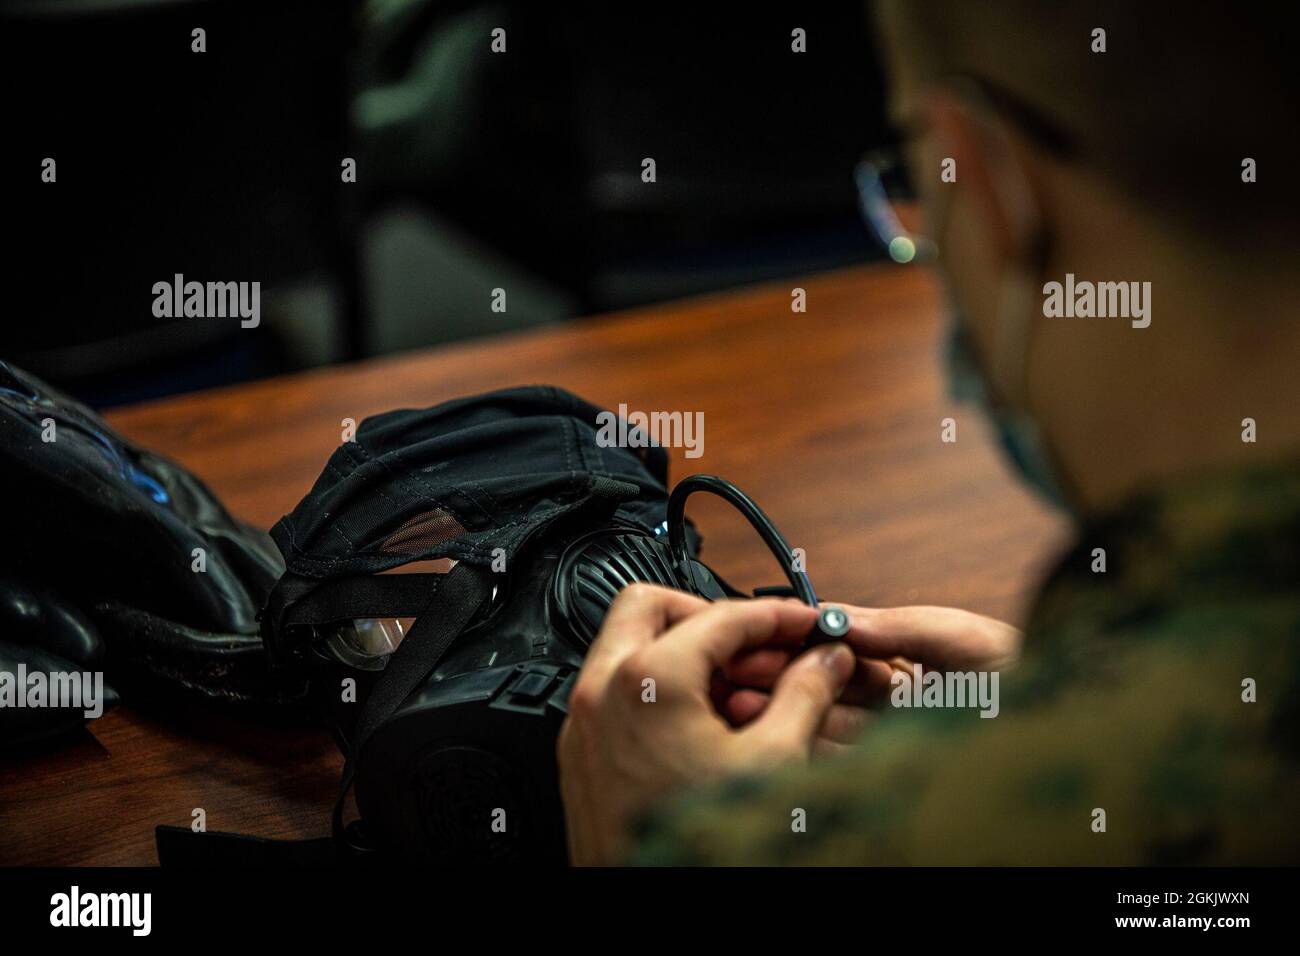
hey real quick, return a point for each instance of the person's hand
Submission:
(938, 638)
(742, 689)
(885, 640)
(642, 721)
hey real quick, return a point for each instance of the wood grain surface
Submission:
(829, 419)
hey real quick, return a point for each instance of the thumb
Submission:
(803, 696)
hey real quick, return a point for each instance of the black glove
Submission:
(170, 581)
(41, 633)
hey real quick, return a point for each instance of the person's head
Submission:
(1117, 142)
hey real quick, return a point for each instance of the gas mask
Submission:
(445, 685)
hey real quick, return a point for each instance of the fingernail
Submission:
(839, 659)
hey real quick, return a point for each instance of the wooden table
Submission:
(829, 419)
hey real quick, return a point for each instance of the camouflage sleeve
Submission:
(1153, 755)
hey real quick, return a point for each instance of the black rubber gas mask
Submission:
(444, 579)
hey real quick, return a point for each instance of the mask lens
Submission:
(368, 642)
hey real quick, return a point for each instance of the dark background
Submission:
(475, 171)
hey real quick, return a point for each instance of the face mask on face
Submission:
(968, 377)
(1017, 433)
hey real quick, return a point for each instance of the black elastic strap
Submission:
(365, 596)
(297, 600)
(457, 596)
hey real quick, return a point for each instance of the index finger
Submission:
(939, 637)
(639, 614)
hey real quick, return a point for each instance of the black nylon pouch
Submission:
(457, 480)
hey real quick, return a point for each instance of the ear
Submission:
(990, 171)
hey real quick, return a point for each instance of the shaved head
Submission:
(1180, 97)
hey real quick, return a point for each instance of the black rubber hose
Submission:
(752, 512)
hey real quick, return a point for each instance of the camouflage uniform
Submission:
(1129, 699)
